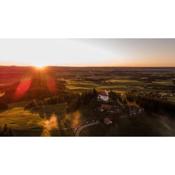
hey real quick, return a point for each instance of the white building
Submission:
(103, 96)
(107, 121)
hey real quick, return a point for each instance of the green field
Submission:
(21, 121)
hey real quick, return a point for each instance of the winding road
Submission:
(79, 130)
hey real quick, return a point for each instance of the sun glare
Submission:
(39, 66)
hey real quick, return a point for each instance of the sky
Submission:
(88, 52)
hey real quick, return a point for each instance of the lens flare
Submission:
(49, 125)
(76, 119)
(22, 88)
(51, 84)
(2, 94)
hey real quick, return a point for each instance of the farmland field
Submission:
(58, 101)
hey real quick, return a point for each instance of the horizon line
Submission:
(89, 66)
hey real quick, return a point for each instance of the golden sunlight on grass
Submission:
(49, 125)
(76, 119)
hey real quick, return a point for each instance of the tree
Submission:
(173, 81)
(3, 106)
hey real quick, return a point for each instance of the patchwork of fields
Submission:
(153, 83)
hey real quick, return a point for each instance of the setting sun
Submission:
(39, 66)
